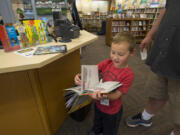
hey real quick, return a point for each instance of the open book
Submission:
(89, 83)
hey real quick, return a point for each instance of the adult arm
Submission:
(150, 35)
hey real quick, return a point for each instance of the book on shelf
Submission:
(89, 83)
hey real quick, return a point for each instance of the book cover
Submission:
(9, 38)
(22, 37)
(75, 102)
(31, 31)
(26, 52)
(40, 31)
(50, 49)
(45, 27)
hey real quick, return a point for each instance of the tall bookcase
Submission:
(150, 13)
(92, 23)
(137, 26)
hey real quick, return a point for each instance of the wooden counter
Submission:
(31, 99)
(10, 62)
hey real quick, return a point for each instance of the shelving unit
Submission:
(92, 23)
(28, 9)
(150, 13)
(138, 27)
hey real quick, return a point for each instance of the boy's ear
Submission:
(133, 52)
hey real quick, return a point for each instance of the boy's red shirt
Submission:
(110, 73)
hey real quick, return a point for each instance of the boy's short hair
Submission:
(125, 37)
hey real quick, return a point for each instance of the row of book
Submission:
(30, 33)
(120, 29)
(120, 23)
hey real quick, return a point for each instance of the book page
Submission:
(76, 89)
(89, 77)
(106, 87)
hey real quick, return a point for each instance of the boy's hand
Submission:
(97, 95)
(77, 79)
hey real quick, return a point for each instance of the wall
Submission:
(87, 6)
(128, 4)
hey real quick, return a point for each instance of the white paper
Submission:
(143, 54)
(27, 52)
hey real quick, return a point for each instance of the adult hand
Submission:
(146, 41)
(77, 79)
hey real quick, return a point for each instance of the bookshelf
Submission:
(150, 13)
(92, 23)
(137, 26)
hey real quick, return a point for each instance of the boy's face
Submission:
(120, 54)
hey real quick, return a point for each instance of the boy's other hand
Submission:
(77, 79)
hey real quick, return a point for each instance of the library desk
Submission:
(31, 89)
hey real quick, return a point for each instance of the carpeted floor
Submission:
(133, 102)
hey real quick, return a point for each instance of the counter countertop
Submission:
(11, 62)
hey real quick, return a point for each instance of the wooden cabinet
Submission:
(138, 27)
(32, 89)
(32, 101)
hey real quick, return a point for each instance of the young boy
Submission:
(108, 107)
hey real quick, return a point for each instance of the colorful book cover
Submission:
(12, 35)
(44, 24)
(31, 31)
(9, 38)
(50, 49)
(40, 31)
(24, 41)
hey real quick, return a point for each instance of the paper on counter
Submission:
(27, 52)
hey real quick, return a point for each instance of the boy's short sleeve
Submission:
(127, 82)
